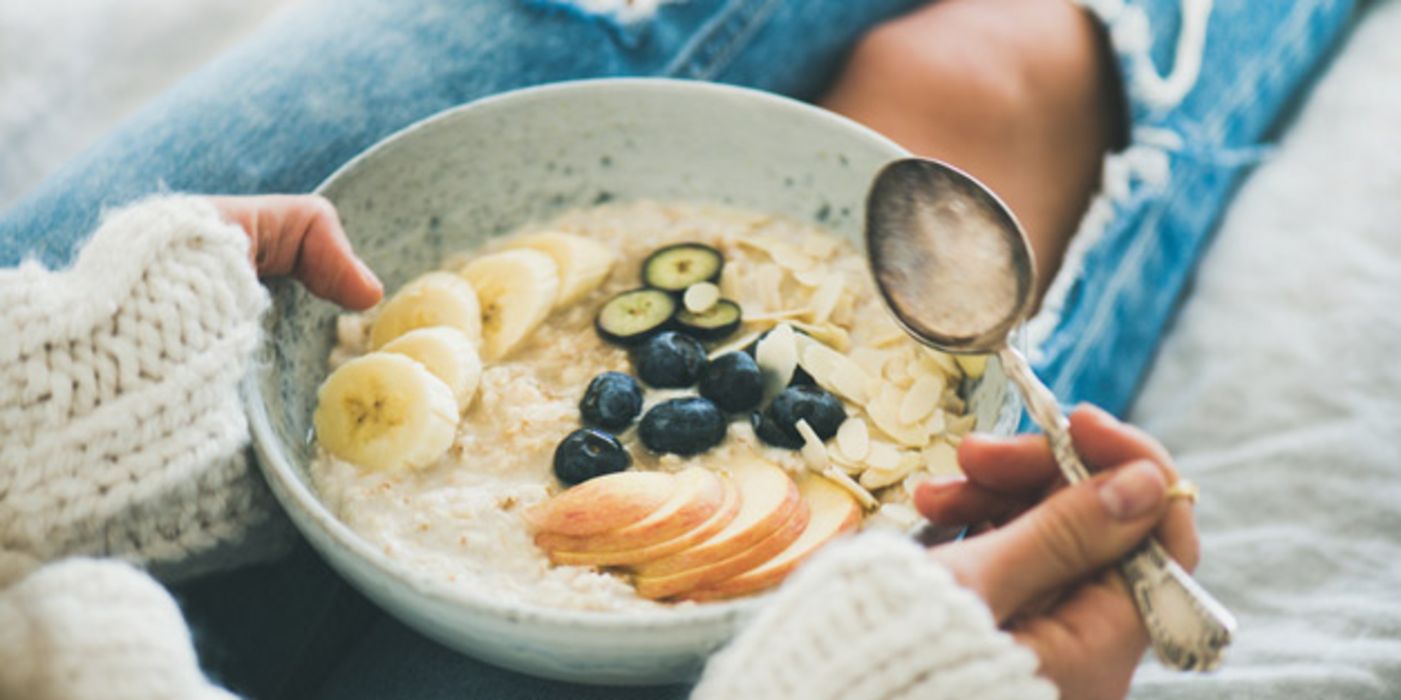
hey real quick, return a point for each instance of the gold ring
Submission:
(1183, 489)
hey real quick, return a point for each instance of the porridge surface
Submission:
(460, 519)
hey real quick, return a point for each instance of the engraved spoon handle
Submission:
(1189, 628)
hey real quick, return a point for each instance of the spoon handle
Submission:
(1189, 628)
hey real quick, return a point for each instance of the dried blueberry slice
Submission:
(717, 322)
(634, 316)
(676, 267)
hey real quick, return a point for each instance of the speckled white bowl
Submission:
(451, 181)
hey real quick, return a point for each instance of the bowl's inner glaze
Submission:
(455, 180)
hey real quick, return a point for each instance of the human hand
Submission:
(1041, 565)
(301, 236)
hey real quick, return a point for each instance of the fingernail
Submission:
(945, 481)
(1135, 490)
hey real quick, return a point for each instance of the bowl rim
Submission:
(294, 494)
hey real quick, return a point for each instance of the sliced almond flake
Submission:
(840, 478)
(700, 297)
(785, 254)
(941, 459)
(853, 438)
(940, 361)
(889, 339)
(730, 287)
(768, 280)
(884, 412)
(937, 423)
(773, 317)
(913, 481)
(954, 440)
(736, 345)
(834, 336)
(922, 398)
(814, 452)
(824, 300)
(880, 478)
(896, 370)
(846, 465)
(777, 357)
(836, 373)
(845, 312)
(820, 247)
(811, 277)
(350, 330)
(882, 455)
(870, 359)
(962, 425)
(973, 365)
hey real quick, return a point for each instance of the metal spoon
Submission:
(955, 268)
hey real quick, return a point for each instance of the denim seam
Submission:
(716, 46)
(1246, 88)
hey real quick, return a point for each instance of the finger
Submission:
(1098, 621)
(1103, 440)
(301, 235)
(1017, 464)
(327, 265)
(1075, 532)
(957, 501)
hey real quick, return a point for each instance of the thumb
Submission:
(1072, 534)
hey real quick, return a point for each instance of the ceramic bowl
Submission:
(453, 180)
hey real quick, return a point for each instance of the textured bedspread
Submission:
(1280, 392)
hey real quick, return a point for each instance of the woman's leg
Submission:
(331, 77)
(1024, 106)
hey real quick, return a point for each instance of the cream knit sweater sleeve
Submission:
(873, 618)
(122, 430)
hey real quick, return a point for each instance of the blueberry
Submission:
(684, 426)
(612, 400)
(768, 431)
(587, 453)
(823, 412)
(733, 382)
(670, 360)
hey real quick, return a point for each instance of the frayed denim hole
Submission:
(627, 28)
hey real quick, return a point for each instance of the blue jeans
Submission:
(333, 76)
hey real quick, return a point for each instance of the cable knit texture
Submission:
(873, 618)
(123, 431)
(96, 629)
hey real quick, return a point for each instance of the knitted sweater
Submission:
(123, 437)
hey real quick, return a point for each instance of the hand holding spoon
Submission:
(955, 268)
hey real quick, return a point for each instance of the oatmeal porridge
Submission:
(724, 387)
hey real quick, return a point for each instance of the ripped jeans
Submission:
(1206, 83)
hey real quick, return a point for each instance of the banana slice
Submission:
(385, 412)
(448, 354)
(583, 263)
(434, 299)
(517, 289)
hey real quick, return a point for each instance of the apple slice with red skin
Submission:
(602, 504)
(762, 551)
(834, 512)
(729, 508)
(768, 499)
(699, 493)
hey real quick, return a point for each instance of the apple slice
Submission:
(604, 503)
(729, 508)
(698, 495)
(765, 549)
(834, 512)
(768, 498)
